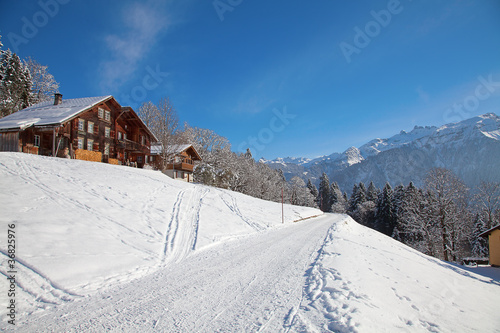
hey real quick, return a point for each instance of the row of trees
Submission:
(23, 82)
(220, 166)
(442, 219)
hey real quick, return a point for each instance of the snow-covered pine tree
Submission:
(2, 69)
(338, 201)
(360, 209)
(372, 192)
(324, 194)
(369, 206)
(353, 203)
(384, 218)
(300, 194)
(313, 190)
(479, 245)
(15, 85)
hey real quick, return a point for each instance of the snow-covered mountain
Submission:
(470, 148)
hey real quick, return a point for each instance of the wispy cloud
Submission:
(143, 23)
(422, 94)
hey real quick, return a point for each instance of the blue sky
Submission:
(285, 78)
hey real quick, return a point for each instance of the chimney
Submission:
(57, 98)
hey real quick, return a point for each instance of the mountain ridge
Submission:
(408, 156)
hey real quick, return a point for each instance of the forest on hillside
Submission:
(443, 219)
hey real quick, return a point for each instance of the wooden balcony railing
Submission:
(132, 146)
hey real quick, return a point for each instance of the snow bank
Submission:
(367, 282)
(81, 226)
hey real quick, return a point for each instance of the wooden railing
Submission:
(131, 145)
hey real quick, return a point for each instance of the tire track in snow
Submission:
(248, 285)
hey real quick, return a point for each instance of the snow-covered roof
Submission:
(487, 232)
(46, 113)
(156, 149)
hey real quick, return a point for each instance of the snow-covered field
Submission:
(102, 247)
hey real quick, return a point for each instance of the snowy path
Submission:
(247, 285)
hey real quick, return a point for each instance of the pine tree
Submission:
(313, 190)
(479, 244)
(15, 85)
(384, 211)
(248, 154)
(324, 194)
(372, 192)
(338, 201)
(353, 203)
(360, 209)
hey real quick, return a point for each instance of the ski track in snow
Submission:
(232, 204)
(252, 284)
(182, 232)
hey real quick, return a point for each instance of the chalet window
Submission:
(106, 149)
(37, 141)
(139, 159)
(90, 144)
(107, 115)
(81, 125)
(125, 136)
(100, 113)
(107, 132)
(90, 127)
(119, 135)
(143, 140)
(80, 143)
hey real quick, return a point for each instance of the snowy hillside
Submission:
(110, 248)
(81, 226)
(470, 148)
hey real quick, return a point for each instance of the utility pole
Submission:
(282, 208)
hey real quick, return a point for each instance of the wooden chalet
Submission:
(494, 244)
(95, 129)
(180, 160)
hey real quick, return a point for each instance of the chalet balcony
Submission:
(132, 146)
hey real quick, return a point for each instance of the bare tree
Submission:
(447, 198)
(163, 122)
(43, 84)
(205, 141)
(487, 200)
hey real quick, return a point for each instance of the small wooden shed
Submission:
(494, 243)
